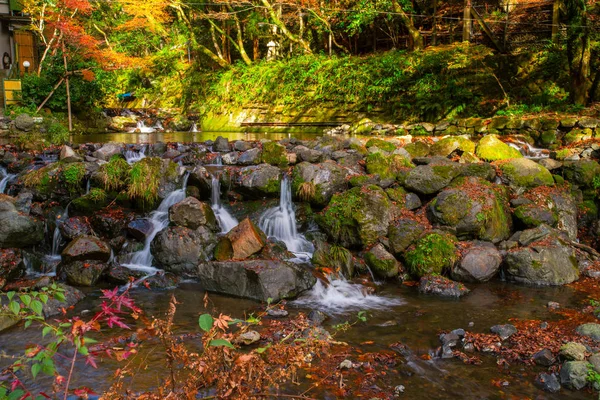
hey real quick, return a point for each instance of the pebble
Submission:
(346, 364)
(277, 313)
(553, 305)
(399, 389)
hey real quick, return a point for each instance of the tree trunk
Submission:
(415, 36)
(277, 21)
(578, 51)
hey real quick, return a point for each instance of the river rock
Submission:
(430, 179)
(250, 157)
(178, 249)
(192, 213)
(544, 358)
(446, 146)
(542, 262)
(68, 155)
(221, 144)
(441, 286)
(107, 151)
(548, 382)
(590, 330)
(358, 217)
(242, 145)
(256, 279)
(246, 239)
(83, 273)
(247, 338)
(479, 263)
(326, 178)
(308, 155)
(504, 331)
(474, 208)
(573, 351)
(382, 263)
(11, 265)
(573, 375)
(524, 173)
(140, 229)
(17, 230)
(259, 181)
(74, 227)
(24, 123)
(581, 173)
(86, 248)
(490, 148)
(481, 170)
(402, 233)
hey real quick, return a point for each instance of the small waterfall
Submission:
(528, 151)
(158, 125)
(88, 186)
(226, 221)
(342, 296)
(142, 260)
(142, 128)
(194, 128)
(133, 156)
(6, 178)
(280, 223)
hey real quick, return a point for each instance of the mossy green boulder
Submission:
(316, 183)
(523, 173)
(382, 263)
(417, 149)
(381, 145)
(431, 254)
(475, 208)
(583, 173)
(430, 179)
(490, 148)
(257, 181)
(336, 258)
(387, 167)
(357, 217)
(445, 147)
(273, 153)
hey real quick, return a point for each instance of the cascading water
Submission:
(133, 156)
(194, 128)
(6, 178)
(142, 260)
(159, 126)
(528, 150)
(88, 186)
(226, 221)
(142, 128)
(280, 223)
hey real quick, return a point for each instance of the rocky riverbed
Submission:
(440, 216)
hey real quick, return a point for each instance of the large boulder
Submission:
(256, 279)
(221, 144)
(544, 258)
(357, 217)
(475, 208)
(524, 173)
(581, 172)
(17, 230)
(387, 167)
(86, 248)
(192, 213)
(448, 145)
(573, 374)
(108, 150)
(479, 262)
(402, 233)
(178, 249)
(308, 155)
(273, 153)
(317, 183)
(11, 266)
(245, 240)
(431, 254)
(250, 157)
(259, 181)
(430, 179)
(490, 148)
(382, 263)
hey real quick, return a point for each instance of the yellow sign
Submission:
(12, 91)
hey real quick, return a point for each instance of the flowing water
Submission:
(194, 128)
(226, 221)
(5, 178)
(142, 260)
(142, 128)
(527, 150)
(133, 156)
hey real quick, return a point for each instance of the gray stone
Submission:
(74, 227)
(68, 155)
(440, 286)
(412, 201)
(259, 181)
(479, 263)
(308, 155)
(402, 233)
(550, 164)
(544, 357)
(250, 157)
(256, 279)
(86, 248)
(83, 273)
(382, 263)
(548, 382)
(327, 178)
(231, 158)
(192, 213)
(430, 179)
(573, 375)
(504, 331)
(179, 250)
(241, 145)
(24, 123)
(107, 151)
(590, 330)
(140, 229)
(17, 230)
(573, 351)
(221, 144)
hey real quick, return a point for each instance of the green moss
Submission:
(417, 149)
(358, 180)
(114, 174)
(525, 173)
(359, 149)
(144, 180)
(72, 175)
(44, 180)
(433, 253)
(381, 267)
(381, 145)
(397, 194)
(387, 167)
(273, 153)
(446, 146)
(94, 201)
(490, 148)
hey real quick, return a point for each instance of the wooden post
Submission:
(330, 44)
(51, 93)
(555, 21)
(434, 30)
(467, 21)
(68, 89)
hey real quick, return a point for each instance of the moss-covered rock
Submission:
(490, 148)
(417, 149)
(448, 145)
(363, 127)
(382, 263)
(381, 145)
(336, 258)
(430, 179)
(387, 167)
(316, 183)
(582, 173)
(273, 153)
(475, 208)
(431, 254)
(402, 233)
(357, 217)
(525, 173)
(259, 181)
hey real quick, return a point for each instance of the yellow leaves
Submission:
(222, 322)
(146, 14)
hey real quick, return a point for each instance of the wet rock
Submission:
(504, 331)
(581, 173)
(548, 382)
(412, 201)
(323, 180)
(337, 258)
(573, 351)
(274, 154)
(74, 227)
(86, 248)
(256, 279)
(178, 249)
(259, 181)
(317, 317)
(479, 263)
(431, 254)
(54, 307)
(590, 330)
(17, 230)
(140, 229)
(382, 263)
(160, 281)
(68, 155)
(308, 155)
(110, 222)
(595, 361)
(247, 338)
(430, 179)
(475, 208)
(23, 202)
(246, 239)
(221, 144)
(402, 233)
(573, 375)
(277, 313)
(231, 158)
(83, 273)
(550, 164)
(544, 357)
(11, 266)
(241, 145)
(120, 275)
(441, 286)
(346, 364)
(107, 151)
(524, 173)
(479, 170)
(250, 157)
(192, 213)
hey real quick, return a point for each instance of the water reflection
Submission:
(185, 137)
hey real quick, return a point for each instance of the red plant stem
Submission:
(70, 375)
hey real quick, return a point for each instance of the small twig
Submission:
(70, 374)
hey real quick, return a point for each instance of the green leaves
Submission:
(206, 322)
(35, 370)
(221, 342)
(14, 307)
(37, 307)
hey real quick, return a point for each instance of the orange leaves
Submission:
(146, 14)
(222, 322)
(88, 75)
